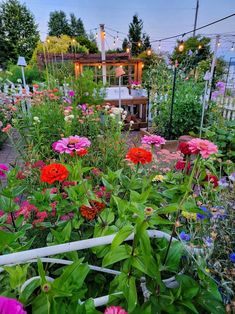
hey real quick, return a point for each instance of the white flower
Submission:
(123, 117)
(69, 118)
(117, 111)
(106, 107)
(120, 123)
(36, 119)
(132, 122)
(112, 115)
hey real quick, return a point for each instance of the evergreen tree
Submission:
(18, 32)
(139, 41)
(76, 26)
(58, 24)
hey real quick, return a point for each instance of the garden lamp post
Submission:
(22, 63)
(119, 73)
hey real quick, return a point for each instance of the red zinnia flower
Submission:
(139, 155)
(184, 148)
(212, 179)
(89, 212)
(180, 165)
(82, 152)
(54, 172)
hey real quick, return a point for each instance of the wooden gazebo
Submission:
(133, 67)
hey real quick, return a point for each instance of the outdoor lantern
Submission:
(181, 46)
(119, 72)
(22, 63)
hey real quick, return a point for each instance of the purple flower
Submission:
(220, 86)
(184, 236)
(214, 95)
(71, 93)
(67, 216)
(223, 182)
(206, 211)
(3, 169)
(71, 144)
(232, 257)
(153, 140)
(67, 100)
(83, 107)
(208, 241)
(10, 306)
(232, 176)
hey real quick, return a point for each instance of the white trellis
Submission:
(31, 256)
(227, 105)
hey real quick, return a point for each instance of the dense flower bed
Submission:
(80, 181)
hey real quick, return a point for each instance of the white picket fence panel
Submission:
(227, 106)
(30, 256)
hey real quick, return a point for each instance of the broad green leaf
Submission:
(168, 209)
(28, 290)
(17, 275)
(122, 234)
(119, 253)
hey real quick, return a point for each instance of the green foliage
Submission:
(191, 46)
(58, 24)
(224, 136)
(89, 44)
(76, 26)
(32, 74)
(186, 109)
(18, 32)
(135, 36)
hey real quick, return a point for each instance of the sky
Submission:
(162, 18)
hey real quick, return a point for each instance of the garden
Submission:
(98, 218)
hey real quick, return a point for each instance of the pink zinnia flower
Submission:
(10, 306)
(3, 169)
(115, 310)
(7, 128)
(203, 147)
(153, 140)
(71, 144)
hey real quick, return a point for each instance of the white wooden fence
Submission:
(227, 105)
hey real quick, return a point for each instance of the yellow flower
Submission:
(158, 178)
(187, 215)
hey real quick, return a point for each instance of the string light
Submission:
(181, 46)
(48, 41)
(96, 35)
(128, 49)
(219, 44)
(139, 44)
(114, 42)
(199, 46)
(117, 38)
(149, 51)
(104, 34)
(73, 40)
(159, 46)
(232, 48)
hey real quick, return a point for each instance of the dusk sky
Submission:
(162, 18)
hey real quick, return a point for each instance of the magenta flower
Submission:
(155, 140)
(3, 169)
(11, 306)
(203, 147)
(71, 144)
(71, 93)
(115, 310)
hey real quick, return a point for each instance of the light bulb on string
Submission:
(104, 34)
(139, 44)
(96, 35)
(181, 46)
(114, 42)
(149, 51)
(232, 48)
(128, 49)
(199, 46)
(219, 44)
(117, 38)
(159, 46)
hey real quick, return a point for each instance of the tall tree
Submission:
(76, 26)
(18, 32)
(139, 41)
(58, 24)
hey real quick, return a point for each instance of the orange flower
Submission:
(54, 172)
(90, 212)
(139, 155)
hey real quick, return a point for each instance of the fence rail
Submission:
(227, 106)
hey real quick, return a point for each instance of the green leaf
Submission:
(28, 290)
(119, 253)
(41, 272)
(7, 238)
(122, 234)
(168, 209)
(132, 294)
(17, 275)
